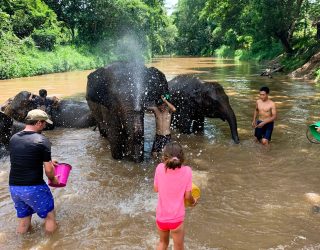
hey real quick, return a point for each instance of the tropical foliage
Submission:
(43, 36)
(257, 27)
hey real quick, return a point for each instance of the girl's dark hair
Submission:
(173, 155)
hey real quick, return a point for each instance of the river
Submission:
(252, 198)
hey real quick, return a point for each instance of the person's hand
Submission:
(55, 180)
(253, 124)
(195, 202)
(163, 98)
(318, 129)
(260, 125)
(55, 163)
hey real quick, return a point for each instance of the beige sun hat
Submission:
(38, 115)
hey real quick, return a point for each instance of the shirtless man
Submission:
(162, 113)
(266, 110)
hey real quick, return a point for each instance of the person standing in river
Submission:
(162, 112)
(43, 102)
(266, 112)
(173, 183)
(30, 152)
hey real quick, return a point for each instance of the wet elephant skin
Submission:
(196, 99)
(118, 95)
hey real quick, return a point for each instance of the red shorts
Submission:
(165, 226)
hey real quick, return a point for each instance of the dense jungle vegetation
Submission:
(45, 36)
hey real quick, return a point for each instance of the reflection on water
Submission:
(252, 198)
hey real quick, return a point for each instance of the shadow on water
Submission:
(252, 198)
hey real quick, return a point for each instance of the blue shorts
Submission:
(264, 132)
(32, 199)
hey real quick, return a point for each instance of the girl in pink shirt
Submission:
(173, 182)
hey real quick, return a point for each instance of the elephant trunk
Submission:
(232, 120)
(136, 144)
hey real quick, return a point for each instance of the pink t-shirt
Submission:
(172, 185)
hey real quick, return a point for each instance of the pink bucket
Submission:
(61, 170)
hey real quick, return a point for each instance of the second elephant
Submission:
(68, 114)
(195, 100)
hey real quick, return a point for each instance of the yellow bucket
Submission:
(195, 193)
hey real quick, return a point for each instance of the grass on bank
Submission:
(22, 62)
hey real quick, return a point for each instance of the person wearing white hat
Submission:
(30, 152)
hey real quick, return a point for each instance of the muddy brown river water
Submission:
(252, 198)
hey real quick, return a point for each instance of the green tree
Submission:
(194, 32)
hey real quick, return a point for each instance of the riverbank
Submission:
(32, 62)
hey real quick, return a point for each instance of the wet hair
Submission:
(173, 155)
(43, 93)
(265, 89)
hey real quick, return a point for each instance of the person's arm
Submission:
(170, 106)
(255, 113)
(155, 188)
(49, 171)
(151, 108)
(188, 196)
(55, 101)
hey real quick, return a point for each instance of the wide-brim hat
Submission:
(38, 115)
(313, 130)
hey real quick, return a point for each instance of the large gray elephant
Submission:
(195, 99)
(118, 95)
(8, 127)
(68, 114)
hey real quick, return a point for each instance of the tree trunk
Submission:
(285, 41)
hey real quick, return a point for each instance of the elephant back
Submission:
(72, 114)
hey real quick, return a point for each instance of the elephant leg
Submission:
(198, 125)
(117, 146)
(185, 124)
(117, 138)
(98, 111)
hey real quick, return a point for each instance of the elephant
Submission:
(118, 95)
(68, 114)
(72, 114)
(8, 127)
(194, 100)
(6, 123)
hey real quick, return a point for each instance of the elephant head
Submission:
(118, 96)
(20, 106)
(195, 100)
